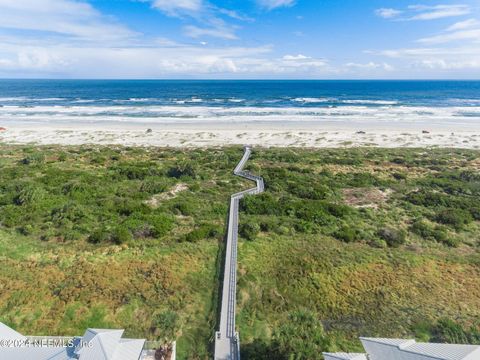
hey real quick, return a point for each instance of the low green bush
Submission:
(456, 218)
(160, 224)
(249, 230)
(393, 237)
(438, 233)
(36, 158)
(99, 236)
(347, 234)
(184, 168)
(204, 231)
(121, 235)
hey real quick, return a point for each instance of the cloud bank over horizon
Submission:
(256, 39)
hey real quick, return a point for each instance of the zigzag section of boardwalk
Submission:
(227, 343)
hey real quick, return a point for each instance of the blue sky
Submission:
(240, 39)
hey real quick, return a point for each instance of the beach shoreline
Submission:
(278, 134)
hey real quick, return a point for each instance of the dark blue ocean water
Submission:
(169, 101)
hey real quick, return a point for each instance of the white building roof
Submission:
(109, 345)
(445, 351)
(103, 344)
(344, 356)
(7, 333)
(128, 349)
(423, 350)
(408, 349)
(393, 342)
(37, 353)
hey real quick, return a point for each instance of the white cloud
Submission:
(424, 12)
(296, 57)
(156, 62)
(459, 52)
(178, 7)
(61, 17)
(370, 66)
(467, 51)
(447, 60)
(219, 32)
(206, 16)
(468, 30)
(461, 25)
(442, 64)
(301, 60)
(273, 4)
(234, 15)
(473, 34)
(388, 13)
(125, 62)
(438, 11)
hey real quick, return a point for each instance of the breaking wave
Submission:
(179, 113)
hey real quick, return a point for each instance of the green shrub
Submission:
(69, 211)
(361, 180)
(184, 168)
(422, 228)
(29, 194)
(98, 160)
(121, 235)
(160, 224)
(309, 191)
(128, 207)
(137, 171)
(347, 234)
(204, 231)
(249, 230)
(185, 208)
(139, 227)
(261, 204)
(166, 325)
(337, 210)
(289, 337)
(451, 241)
(431, 199)
(457, 218)
(74, 186)
(437, 233)
(36, 158)
(154, 186)
(71, 235)
(392, 237)
(26, 229)
(451, 332)
(99, 236)
(400, 176)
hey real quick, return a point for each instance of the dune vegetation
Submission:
(344, 242)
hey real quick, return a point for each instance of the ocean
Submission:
(190, 101)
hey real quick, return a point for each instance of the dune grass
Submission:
(344, 242)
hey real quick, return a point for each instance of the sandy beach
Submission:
(257, 134)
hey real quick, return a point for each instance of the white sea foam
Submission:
(372, 102)
(23, 98)
(464, 101)
(177, 113)
(83, 101)
(131, 100)
(309, 100)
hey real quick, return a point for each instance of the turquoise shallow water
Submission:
(71, 101)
